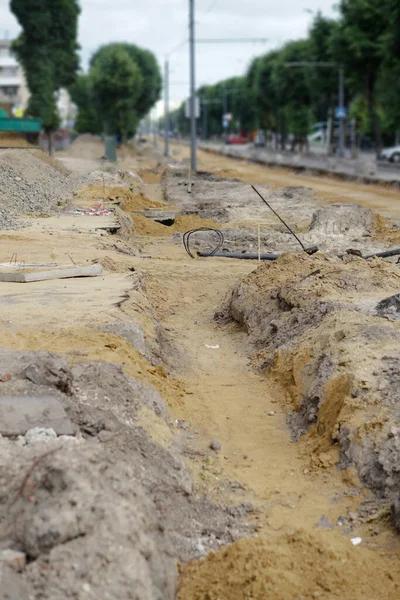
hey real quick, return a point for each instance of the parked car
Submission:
(236, 139)
(391, 154)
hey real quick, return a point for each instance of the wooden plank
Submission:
(21, 277)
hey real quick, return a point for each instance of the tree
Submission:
(149, 70)
(88, 120)
(358, 44)
(117, 85)
(48, 51)
(293, 91)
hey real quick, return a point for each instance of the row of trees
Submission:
(364, 41)
(122, 85)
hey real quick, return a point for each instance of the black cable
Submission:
(187, 235)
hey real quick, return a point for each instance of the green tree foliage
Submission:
(83, 96)
(364, 40)
(358, 45)
(122, 85)
(150, 73)
(48, 51)
(117, 84)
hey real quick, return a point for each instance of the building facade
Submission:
(14, 93)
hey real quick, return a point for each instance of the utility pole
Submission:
(341, 106)
(192, 87)
(166, 107)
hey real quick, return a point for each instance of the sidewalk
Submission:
(364, 168)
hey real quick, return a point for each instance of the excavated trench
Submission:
(241, 414)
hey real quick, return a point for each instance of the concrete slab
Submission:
(157, 214)
(18, 414)
(26, 276)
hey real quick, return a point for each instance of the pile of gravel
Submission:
(29, 184)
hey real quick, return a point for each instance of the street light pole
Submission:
(166, 107)
(192, 87)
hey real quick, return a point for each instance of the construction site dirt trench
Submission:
(261, 450)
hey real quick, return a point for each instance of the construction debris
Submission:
(28, 275)
(18, 414)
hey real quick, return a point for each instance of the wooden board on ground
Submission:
(27, 276)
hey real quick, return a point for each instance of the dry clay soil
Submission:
(299, 550)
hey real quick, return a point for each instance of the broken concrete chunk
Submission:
(13, 559)
(40, 434)
(11, 585)
(19, 414)
(215, 445)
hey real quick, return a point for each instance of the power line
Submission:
(210, 8)
(231, 40)
(177, 48)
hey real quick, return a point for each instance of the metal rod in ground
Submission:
(192, 87)
(166, 107)
(259, 242)
(281, 220)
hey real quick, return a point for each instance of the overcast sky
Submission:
(162, 25)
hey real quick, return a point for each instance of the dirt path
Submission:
(229, 402)
(385, 200)
(301, 550)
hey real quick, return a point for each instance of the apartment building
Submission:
(14, 93)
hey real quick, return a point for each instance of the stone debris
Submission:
(13, 558)
(29, 183)
(19, 414)
(215, 445)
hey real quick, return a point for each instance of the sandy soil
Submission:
(211, 386)
(383, 199)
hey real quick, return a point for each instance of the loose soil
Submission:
(149, 378)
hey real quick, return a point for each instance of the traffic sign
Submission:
(340, 112)
(226, 119)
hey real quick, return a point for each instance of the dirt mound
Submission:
(145, 226)
(30, 184)
(282, 299)
(150, 175)
(52, 162)
(129, 199)
(186, 222)
(299, 565)
(13, 139)
(127, 443)
(342, 218)
(315, 325)
(85, 146)
(89, 513)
